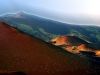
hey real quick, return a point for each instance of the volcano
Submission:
(21, 52)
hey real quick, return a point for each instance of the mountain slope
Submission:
(90, 33)
(23, 25)
(19, 52)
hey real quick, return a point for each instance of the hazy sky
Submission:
(71, 11)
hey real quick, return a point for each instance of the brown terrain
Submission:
(22, 53)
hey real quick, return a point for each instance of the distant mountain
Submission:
(88, 33)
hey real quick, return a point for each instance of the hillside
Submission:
(20, 52)
(90, 33)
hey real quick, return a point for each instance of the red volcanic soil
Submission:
(20, 52)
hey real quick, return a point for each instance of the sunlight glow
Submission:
(93, 8)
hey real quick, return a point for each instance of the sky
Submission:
(67, 11)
